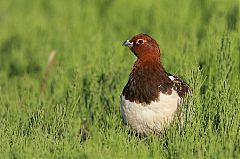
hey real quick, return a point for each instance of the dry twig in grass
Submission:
(51, 62)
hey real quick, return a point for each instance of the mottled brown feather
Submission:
(180, 86)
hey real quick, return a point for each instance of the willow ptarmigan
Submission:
(151, 96)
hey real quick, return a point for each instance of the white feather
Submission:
(171, 78)
(153, 117)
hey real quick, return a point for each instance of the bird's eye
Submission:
(140, 41)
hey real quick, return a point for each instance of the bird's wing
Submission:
(180, 86)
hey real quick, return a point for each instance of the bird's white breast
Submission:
(153, 117)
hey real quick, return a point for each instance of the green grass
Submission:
(77, 114)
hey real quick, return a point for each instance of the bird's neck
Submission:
(145, 80)
(149, 69)
(148, 61)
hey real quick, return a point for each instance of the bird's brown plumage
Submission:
(148, 77)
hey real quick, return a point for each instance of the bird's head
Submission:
(142, 45)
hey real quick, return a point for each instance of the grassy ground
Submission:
(76, 115)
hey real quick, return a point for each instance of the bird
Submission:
(152, 97)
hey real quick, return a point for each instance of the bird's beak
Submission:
(128, 43)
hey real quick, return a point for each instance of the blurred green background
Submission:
(76, 112)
